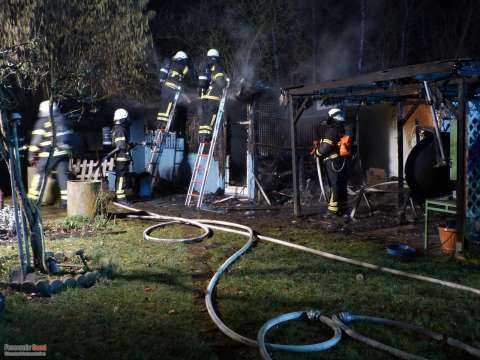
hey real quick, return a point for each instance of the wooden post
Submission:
(293, 137)
(461, 161)
(82, 198)
(400, 123)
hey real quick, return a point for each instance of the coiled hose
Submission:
(310, 315)
(335, 323)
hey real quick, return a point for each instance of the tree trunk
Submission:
(363, 16)
(314, 41)
(403, 40)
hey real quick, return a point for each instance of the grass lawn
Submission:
(152, 308)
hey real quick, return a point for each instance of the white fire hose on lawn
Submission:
(337, 322)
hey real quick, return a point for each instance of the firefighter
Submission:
(41, 147)
(172, 74)
(211, 82)
(335, 150)
(120, 138)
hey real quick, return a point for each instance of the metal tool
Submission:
(204, 159)
(320, 179)
(81, 254)
(160, 140)
(438, 138)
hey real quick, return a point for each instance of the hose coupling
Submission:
(314, 314)
(345, 317)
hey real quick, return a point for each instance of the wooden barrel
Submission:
(82, 197)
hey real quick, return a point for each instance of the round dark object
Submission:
(56, 286)
(400, 250)
(423, 175)
(52, 265)
(43, 288)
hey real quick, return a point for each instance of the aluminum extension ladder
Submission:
(203, 159)
(160, 140)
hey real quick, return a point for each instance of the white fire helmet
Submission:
(16, 116)
(336, 114)
(213, 53)
(180, 55)
(44, 108)
(120, 115)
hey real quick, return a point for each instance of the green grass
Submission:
(148, 309)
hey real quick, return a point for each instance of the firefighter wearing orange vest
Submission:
(334, 150)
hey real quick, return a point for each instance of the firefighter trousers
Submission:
(57, 163)
(121, 184)
(166, 106)
(208, 118)
(337, 178)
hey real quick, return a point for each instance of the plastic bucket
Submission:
(448, 238)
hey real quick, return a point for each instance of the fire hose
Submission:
(336, 322)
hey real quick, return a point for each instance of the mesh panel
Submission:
(473, 176)
(272, 128)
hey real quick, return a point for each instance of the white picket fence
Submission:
(89, 169)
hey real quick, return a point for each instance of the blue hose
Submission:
(311, 315)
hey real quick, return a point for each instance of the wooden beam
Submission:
(407, 90)
(461, 161)
(400, 123)
(301, 109)
(293, 146)
(410, 113)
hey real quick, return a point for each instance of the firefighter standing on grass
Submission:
(211, 82)
(335, 150)
(120, 139)
(41, 147)
(172, 74)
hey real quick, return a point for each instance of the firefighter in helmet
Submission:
(41, 147)
(211, 82)
(172, 73)
(335, 150)
(120, 139)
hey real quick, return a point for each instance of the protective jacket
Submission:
(173, 72)
(329, 148)
(42, 137)
(120, 138)
(211, 82)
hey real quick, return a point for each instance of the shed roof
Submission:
(395, 83)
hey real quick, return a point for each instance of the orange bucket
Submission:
(448, 239)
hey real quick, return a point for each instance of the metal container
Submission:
(106, 136)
